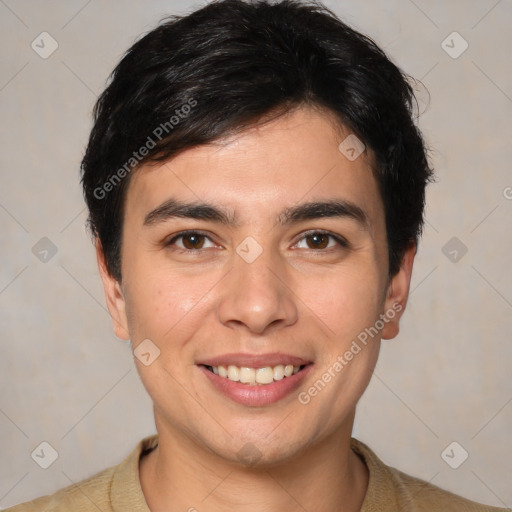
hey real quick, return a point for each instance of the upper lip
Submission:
(254, 360)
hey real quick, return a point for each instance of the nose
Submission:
(256, 296)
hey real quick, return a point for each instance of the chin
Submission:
(260, 452)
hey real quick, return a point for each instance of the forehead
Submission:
(254, 174)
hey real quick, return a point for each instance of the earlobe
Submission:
(114, 296)
(397, 294)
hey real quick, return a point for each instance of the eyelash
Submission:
(340, 240)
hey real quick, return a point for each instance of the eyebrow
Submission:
(333, 208)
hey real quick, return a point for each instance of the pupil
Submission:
(192, 241)
(318, 239)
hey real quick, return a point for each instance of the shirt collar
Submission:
(126, 491)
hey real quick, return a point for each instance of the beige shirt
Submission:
(117, 489)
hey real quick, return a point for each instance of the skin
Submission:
(304, 296)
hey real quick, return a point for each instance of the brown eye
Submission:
(190, 241)
(321, 240)
(318, 241)
(193, 241)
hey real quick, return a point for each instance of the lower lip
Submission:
(257, 396)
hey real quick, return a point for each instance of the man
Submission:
(256, 187)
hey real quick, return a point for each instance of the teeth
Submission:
(265, 375)
(247, 376)
(279, 372)
(233, 373)
(253, 376)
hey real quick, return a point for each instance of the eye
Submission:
(190, 241)
(321, 240)
(194, 241)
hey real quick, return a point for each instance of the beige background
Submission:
(67, 380)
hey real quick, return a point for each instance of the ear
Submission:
(114, 296)
(397, 294)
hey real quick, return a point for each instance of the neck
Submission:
(179, 475)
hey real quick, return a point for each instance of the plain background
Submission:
(65, 378)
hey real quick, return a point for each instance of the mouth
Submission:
(255, 376)
(255, 380)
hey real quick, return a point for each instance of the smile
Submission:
(255, 376)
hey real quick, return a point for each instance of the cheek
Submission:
(345, 302)
(163, 302)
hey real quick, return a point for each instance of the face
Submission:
(263, 257)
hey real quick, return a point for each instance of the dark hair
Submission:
(226, 66)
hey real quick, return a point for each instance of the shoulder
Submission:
(391, 489)
(92, 493)
(114, 489)
(428, 497)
